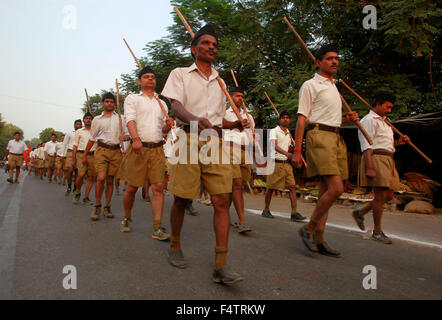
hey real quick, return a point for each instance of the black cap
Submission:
(236, 89)
(207, 29)
(324, 49)
(146, 69)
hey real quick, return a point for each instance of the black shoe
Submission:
(226, 276)
(324, 249)
(68, 191)
(176, 259)
(358, 219)
(297, 217)
(9, 180)
(267, 214)
(307, 239)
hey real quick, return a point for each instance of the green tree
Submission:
(45, 134)
(33, 143)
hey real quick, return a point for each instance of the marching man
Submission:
(320, 104)
(50, 154)
(81, 140)
(282, 175)
(145, 158)
(197, 98)
(105, 131)
(68, 146)
(378, 169)
(14, 155)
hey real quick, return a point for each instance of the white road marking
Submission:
(354, 229)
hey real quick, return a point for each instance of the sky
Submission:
(51, 50)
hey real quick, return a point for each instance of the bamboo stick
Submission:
(87, 99)
(314, 60)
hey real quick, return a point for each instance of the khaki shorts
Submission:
(58, 162)
(40, 163)
(326, 154)
(282, 177)
(107, 161)
(241, 170)
(68, 161)
(15, 161)
(50, 162)
(186, 178)
(135, 168)
(386, 173)
(89, 168)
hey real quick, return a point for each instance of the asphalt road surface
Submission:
(41, 232)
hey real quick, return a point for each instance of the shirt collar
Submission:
(194, 67)
(376, 116)
(322, 79)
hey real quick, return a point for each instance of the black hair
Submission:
(382, 97)
(284, 113)
(88, 114)
(17, 132)
(324, 49)
(108, 95)
(236, 89)
(75, 122)
(53, 134)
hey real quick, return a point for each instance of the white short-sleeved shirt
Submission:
(50, 148)
(320, 102)
(68, 142)
(82, 137)
(284, 141)
(17, 147)
(235, 135)
(59, 150)
(41, 153)
(200, 96)
(107, 129)
(380, 132)
(147, 115)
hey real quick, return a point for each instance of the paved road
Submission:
(41, 232)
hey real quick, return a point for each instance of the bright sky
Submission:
(48, 56)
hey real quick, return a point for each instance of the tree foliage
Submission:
(402, 55)
(45, 134)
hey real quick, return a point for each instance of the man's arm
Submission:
(137, 146)
(282, 151)
(181, 113)
(350, 117)
(401, 141)
(370, 172)
(299, 136)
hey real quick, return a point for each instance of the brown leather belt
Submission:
(323, 127)
(108, 146)
(16, 154)
(218, 130)
(282, 161)
(89, 154)
(151, 145)
(383, 152)
(70, 150)
(51, 156)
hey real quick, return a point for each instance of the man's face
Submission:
(108, 104)
(87, 121)
(53, 138)
(329, 63)
(238, 98)
(148, 81)
(62, 138)
(384, 109)
(206, 49)
(78, 125)
(17, 136)
(284, 121)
